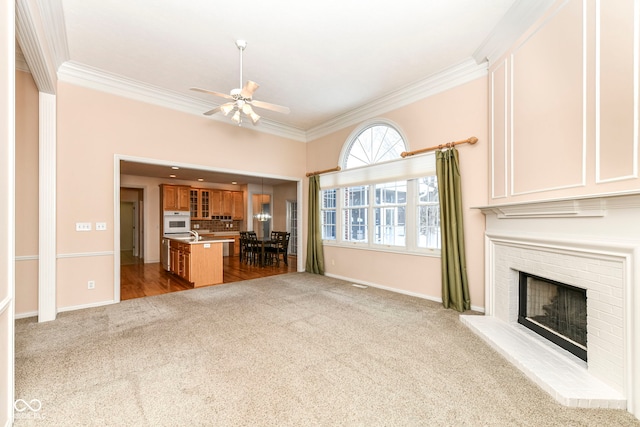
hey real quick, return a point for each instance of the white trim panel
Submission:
(47, 209)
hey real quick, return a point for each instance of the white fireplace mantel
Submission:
(587, 206)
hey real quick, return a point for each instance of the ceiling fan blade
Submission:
(249, 88)
(212, 112)
(210, 92)
(269, 106)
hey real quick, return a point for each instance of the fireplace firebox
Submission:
(554, 310)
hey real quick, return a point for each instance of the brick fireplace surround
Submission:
(591, 243)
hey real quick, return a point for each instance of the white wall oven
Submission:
(176, 222)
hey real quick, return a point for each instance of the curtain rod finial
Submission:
(472, 140)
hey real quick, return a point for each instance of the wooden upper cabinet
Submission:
(203, 203)
(194, 203)
(227, 203)
(175, 198)
(215, 197)
(200, 203)
(238, 205)
(183, 198)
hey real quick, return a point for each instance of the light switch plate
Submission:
(83, 226)
(101, 226)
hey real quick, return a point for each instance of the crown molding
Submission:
(522, 15)
(31, 33)
(93, 78)
(448, 78)
(21, 63)
(55, 28)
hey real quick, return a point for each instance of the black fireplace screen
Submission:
(556, 311)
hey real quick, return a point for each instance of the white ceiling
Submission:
(323, 59)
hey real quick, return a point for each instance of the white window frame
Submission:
(404, 169)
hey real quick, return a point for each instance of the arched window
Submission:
(379, 200)
(375, 143)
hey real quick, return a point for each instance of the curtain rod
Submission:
(336, 169)
(470, 140)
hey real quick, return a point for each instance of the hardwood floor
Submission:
(141, 280)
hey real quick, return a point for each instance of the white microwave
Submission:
(176, 222)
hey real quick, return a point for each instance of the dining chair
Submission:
(279, 247)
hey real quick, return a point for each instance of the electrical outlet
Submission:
(83, 226)
(91, 284)
(196, 226)
(101, 226)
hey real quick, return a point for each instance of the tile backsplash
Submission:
(216, 225)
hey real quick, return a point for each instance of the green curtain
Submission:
(455, 287)
(315, 254)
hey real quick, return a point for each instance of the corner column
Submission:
(47, 308)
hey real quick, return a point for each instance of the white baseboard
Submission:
(83, 306)
(26, 315)
(399, 291)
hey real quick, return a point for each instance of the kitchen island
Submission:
(198, 261)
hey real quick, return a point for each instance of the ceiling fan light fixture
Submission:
(236, 117)
(227, 108)
(240, 98)
(254, 118)
(246, 109)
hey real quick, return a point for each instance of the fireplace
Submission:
(591, 244)
(554, 310)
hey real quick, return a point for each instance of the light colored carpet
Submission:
(288, 350)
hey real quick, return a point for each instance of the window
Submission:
(374, 144)
(390, 213)
(428, 213)
(383, 202)
(355, 213)
(328, 214)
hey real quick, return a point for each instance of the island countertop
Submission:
(192, 240)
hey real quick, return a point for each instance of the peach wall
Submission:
(281, 194)
(564, 106)
(26, 165)
(26, 289)
(456, 114)
(92, 128)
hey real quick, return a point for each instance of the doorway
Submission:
(131, 226)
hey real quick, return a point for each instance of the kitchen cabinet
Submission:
(238, 205)
(227, 203)
(180, 262)
(200, 203)
(175, 197)
(233, 204)
(236, 245)
(216, 202)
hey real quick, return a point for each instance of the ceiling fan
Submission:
(241, 100)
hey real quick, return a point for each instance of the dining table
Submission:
(263, 242)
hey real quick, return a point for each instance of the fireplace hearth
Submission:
(554, 310)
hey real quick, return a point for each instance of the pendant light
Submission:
(262, 216)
